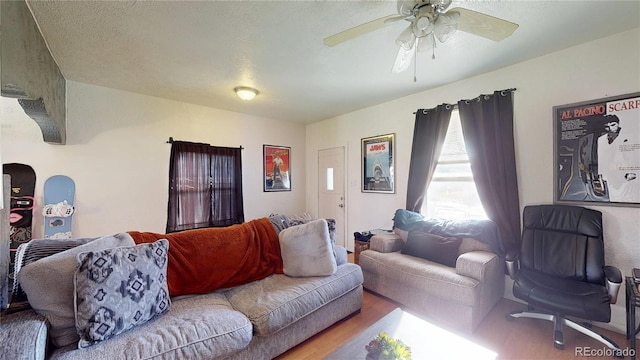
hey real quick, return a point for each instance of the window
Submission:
(205, 187)
(329, 179)
(452, 193)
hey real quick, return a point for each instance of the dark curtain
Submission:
(487, 127)
(226, 185)
(428, 137)
(205, 186)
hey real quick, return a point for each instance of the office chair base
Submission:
(558, 322)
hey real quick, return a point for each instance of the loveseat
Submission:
(452, 272)
(257, 319)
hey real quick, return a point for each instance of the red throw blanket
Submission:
(203, 260)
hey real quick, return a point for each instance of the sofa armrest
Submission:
(23, 335)
(614, 280)
(473, 264)
(386, 243)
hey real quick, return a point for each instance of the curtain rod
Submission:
(455, 106)
(170, 141)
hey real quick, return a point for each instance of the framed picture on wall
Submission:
(378, 164)
(597, 151)
(276, 162)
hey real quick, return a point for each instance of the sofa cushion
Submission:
(196, 327)
(23, 335)
(48, 284)
(306, 250)
(419, 277)
(443, 250)
(118, 289)
(278, 301)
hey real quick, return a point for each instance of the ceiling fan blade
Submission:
(403, 59)
(407, 38)
(405, 7)
(391, 19)
(358, 30)
(484, 25)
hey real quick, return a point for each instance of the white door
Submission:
(331, 189)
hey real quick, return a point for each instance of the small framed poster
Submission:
(378, 164)
(276, 162)
(597, 151)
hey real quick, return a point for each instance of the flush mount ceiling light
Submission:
(245, 93)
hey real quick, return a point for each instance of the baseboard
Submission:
(618, 321)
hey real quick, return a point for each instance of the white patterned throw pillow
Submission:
(120, 288)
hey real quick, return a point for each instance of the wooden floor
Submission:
(516, 339)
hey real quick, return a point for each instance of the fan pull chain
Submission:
(433, 55)
(415, 61)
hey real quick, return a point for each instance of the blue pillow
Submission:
(406, 219)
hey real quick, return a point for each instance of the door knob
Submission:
(341, 205)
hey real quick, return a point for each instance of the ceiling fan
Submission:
(429, 20)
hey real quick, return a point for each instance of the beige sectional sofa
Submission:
(259, 320)
(255, 320)
(455, 297)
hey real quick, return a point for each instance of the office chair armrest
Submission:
(513, 264)
(614, 280)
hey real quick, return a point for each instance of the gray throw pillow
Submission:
(279, 222)
(35, 250)
(48, 284)
(443, 250)
(306, 250)
(118, 289)
(331, 224)
(299, 219)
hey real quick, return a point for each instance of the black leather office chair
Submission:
(560, 270)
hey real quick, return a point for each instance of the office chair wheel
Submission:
(558, 340)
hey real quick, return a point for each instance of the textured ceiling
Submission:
(198, 51)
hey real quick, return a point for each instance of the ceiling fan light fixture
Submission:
(245, 93)
(441, 5)
(423, 26)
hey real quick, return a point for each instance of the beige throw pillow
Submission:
(306, 250)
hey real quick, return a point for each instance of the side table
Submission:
(632, 302)
(357, 248)
(359, 245)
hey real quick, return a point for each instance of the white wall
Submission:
(117, 154)
(593, 70)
